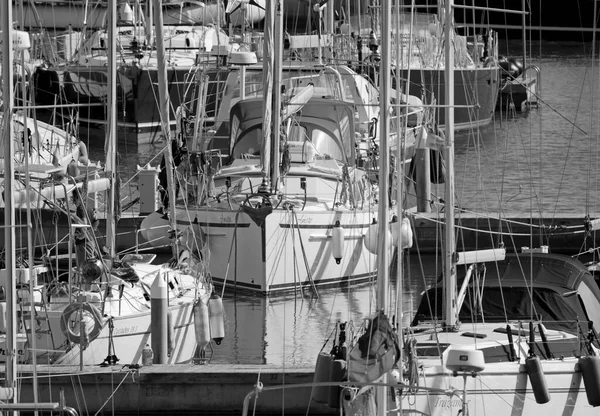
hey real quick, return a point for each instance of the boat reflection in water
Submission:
(291, 330)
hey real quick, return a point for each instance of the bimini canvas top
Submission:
(327, 123)
(548, 287)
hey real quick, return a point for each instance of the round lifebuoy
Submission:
(74, 314)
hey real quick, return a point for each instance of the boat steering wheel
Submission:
(262, 202)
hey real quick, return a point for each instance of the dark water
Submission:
(539, 162)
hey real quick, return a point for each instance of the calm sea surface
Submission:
(542, 161)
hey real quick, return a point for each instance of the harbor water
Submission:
(539, 162)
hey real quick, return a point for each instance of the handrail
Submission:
(41, 406)
(259, 388)
(50, 406)
(538, 79)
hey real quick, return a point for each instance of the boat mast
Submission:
(384, 159)
(265, 150)
(164, 105)
(30, 260)
(451, 318)
(9, 211)
(278, 56)
(272, 57)
(111, 127)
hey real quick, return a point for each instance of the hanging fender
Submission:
(323, 367)
(179, 117)
(537, 379)
(590, 371)
(76, 307)
(83, 154)
(216, 316)
(201, 323)
(72, 169)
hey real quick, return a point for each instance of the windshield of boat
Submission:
(325, 125)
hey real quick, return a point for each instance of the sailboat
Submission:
(420, 62)
(107, 309)
(294, 203)
(10, 390)
(82, 80)
(51, 163)
(517, 334)
(514, 335)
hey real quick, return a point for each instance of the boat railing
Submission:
(534, 89)
(59, 406)
(397, 386)
(140, 230)
(37, 407)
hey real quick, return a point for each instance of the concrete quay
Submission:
(171, 389)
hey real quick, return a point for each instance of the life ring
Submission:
(89, 310)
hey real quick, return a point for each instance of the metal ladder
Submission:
(36, 312)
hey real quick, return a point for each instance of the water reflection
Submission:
(291, 330)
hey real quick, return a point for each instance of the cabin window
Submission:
(297, 133)
(254, 85)
(248, 144)
(325, 146)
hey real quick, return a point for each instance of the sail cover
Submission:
(375, 353)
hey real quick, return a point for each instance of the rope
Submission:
(109, 398)
(308, 272)
(233, 243)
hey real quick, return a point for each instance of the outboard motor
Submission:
(518, 63)
(511, 67)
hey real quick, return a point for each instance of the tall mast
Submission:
(384, 159)
(111, 127)
(164, 104)
(26, 143)
(278, 56)
(9, 212)
(451, 318)
(268, 61)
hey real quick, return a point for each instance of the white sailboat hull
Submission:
(291, 250)
(504, 389)
(129, 336)
(115, 325)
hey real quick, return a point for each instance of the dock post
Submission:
(158, 319)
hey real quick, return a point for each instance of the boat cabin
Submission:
(540, 303)
(322, 129)
(552, 288)
(339, 82)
